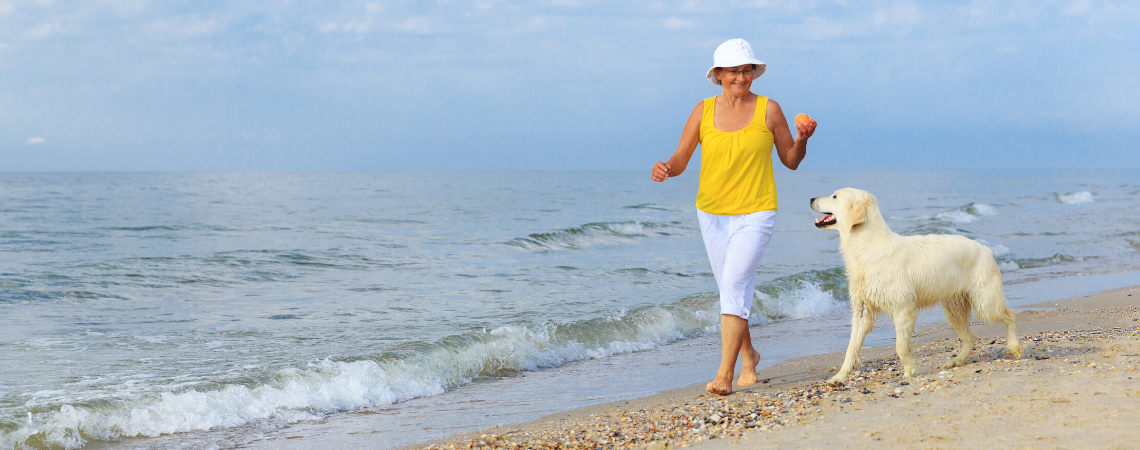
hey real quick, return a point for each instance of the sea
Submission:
(217, 310)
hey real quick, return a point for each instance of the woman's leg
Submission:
(748, 237)
(733, 331)
(749, 358)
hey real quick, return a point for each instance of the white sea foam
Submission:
(1007, 266)
(998, 249)
(983, 209)
(330, 386)
(967, 213)
(294, 394)
(327, 386)
(581, 236)
(808, 301)
(956, 216)
(1075, 198)
(1000, 253)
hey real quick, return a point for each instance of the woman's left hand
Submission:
(805, 130)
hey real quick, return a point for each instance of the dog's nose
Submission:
(812, 201)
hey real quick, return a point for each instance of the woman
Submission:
(736, 201)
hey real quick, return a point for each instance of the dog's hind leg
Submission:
(1015, 347)
(989, 305)
(904, 327)
(957, 312)
(862, 319)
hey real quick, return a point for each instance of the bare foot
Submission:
(719, 387)
(748, 371)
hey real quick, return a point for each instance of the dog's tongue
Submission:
(824, 218)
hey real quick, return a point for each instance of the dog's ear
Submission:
(857, 208)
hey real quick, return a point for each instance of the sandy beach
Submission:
(1078, 386)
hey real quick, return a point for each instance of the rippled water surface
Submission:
(136, 305)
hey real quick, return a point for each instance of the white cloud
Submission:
(900, 16)
(3, 46)
(420, 25)
(6, 7)
(126, 7)
(1007, 49)
(357, 26)
(373, 7)
(1076, 8)
(821, 28)
(181, 27)
(41, 31)
(35, 141)
(675, 23)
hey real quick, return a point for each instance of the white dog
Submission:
(900, 275)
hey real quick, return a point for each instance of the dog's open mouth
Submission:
(824, 221)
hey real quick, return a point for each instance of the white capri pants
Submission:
(735, 245)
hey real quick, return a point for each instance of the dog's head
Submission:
(844, 210)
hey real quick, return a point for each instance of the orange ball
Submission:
(804, 120)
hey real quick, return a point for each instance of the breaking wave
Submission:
(1075, 198)
(1057, 258)
(594, 234)
(946, 222)
(653, 207)
(411, 370)
(966, 213)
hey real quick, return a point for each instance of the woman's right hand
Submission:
(660, 172)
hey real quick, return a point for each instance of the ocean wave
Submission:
(412, 370)
(653, 206)
(936, 227)
(966, 213)
(1075, 198)
(946, 222)
(593, 234)
(998, 249)
(1057, 258)
(1002, 255)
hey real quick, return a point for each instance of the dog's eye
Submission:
(834, 196)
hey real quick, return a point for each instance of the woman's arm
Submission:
(680, 159)
(791, 151)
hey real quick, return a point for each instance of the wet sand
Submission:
(1078, 386)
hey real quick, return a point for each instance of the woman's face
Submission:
(736, 80)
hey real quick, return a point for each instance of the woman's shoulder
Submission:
(701, 105)
(771, 104)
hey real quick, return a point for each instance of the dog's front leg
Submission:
(861, 321)
(904, 327)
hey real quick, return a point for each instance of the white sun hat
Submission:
(732, 53)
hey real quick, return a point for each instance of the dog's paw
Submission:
(837, 380)
(952, 364)
(1017, 351)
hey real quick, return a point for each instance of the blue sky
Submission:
(556, 85)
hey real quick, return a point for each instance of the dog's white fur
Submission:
(900, 275)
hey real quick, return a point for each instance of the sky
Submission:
(138, 85)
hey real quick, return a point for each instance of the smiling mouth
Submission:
(824, 221)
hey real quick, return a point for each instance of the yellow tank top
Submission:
(736, 167)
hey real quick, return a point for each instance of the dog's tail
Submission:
(988, 296)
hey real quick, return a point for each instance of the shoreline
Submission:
(795, 396)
